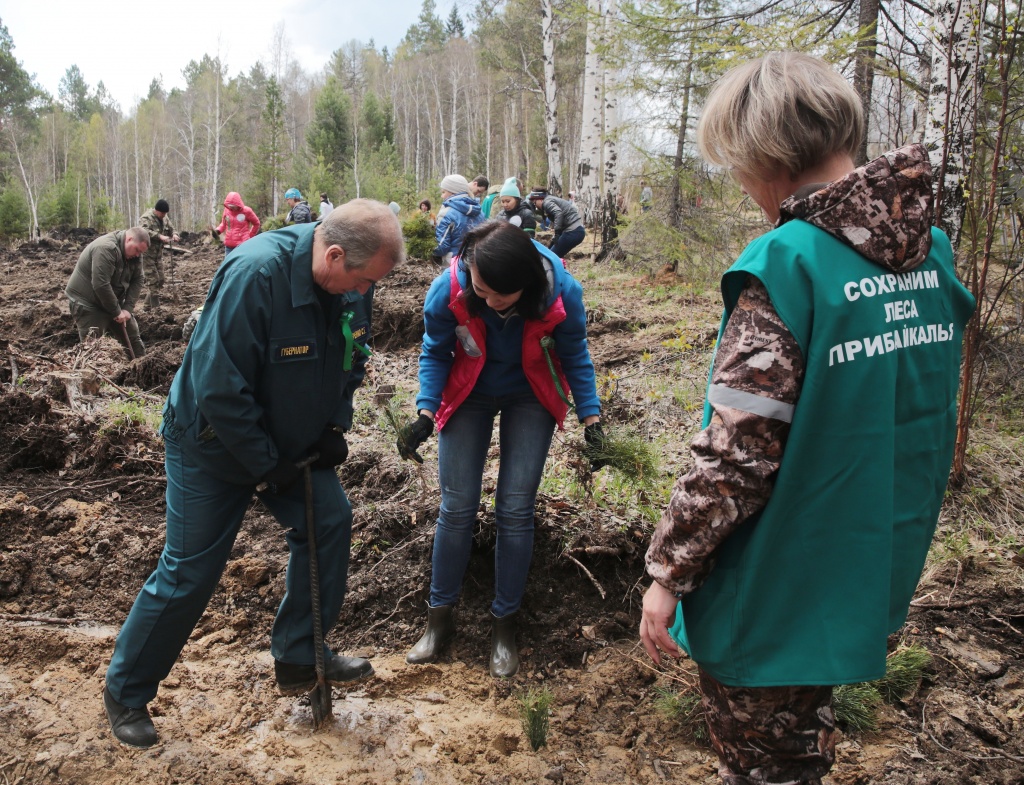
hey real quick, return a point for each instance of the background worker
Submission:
(299, 212)
(267, 379)
(238, 223)
(161, 233)
(565, 221)
(105, 285)
(646, 196)
(326, 205)
(797, 539)
(514, 209)
(461, 212)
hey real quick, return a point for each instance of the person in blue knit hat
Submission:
(514, 210)
(300, 212)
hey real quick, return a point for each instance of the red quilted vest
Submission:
(467, 365)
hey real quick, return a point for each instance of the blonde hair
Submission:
(784, 109)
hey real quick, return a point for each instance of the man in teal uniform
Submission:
(267, 379)
(792, 548)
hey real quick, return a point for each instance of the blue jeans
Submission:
(203, 518)
(567, 241)
(524, 437)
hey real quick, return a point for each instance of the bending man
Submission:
(267, 379)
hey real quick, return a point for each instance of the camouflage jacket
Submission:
(156, 226)
(883, 211)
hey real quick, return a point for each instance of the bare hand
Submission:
(659, 613)
(123, 317)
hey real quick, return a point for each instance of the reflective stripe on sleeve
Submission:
(748, 402)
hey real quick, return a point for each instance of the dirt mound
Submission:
(81, 527)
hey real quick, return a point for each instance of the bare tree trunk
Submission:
(547, 31)
(487, 131)
(212, 199)
(33, 230)
(952, 107)
(588, 171)
(864, 74)
(978, 269)
(610, 157)
(676, 198)
(138, 173)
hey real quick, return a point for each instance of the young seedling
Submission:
(535, 709)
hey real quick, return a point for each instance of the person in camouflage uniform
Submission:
(161, 233)
(791, 550)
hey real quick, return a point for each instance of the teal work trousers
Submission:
(203, 518)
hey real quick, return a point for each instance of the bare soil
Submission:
(81, 527)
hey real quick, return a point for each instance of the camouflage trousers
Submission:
(770, 735)
(154, 266)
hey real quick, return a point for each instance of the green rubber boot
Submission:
(440, 630)
(504, 652)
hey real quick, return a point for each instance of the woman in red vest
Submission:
(505, 336)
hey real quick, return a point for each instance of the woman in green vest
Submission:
(791, 550)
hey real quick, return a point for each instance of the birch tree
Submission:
(588, 168)
(952, 95)
(554, 146)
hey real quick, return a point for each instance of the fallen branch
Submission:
(129, 393)
(398, 604)
(21, 617)
(589, 574)
(599, 550)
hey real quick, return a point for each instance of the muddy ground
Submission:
(81, 526)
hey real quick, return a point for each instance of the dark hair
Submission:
(425, 202)
(507, 261)
(481, 181)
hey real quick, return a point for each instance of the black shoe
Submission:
(130, 726)
(297, 679)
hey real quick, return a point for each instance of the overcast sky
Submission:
(126, 44)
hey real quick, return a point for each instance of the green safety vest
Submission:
(807, 592)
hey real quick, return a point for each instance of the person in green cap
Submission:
(792, 548)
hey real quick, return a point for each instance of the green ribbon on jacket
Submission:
(350, 343)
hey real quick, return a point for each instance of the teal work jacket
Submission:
(269, 365)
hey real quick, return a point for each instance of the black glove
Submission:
(412, 436)
(332, 448)
(438, 260)
(593, 434)
(282, 477)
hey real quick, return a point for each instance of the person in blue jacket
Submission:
(460, 212)
(505, 334)
(267, 379)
